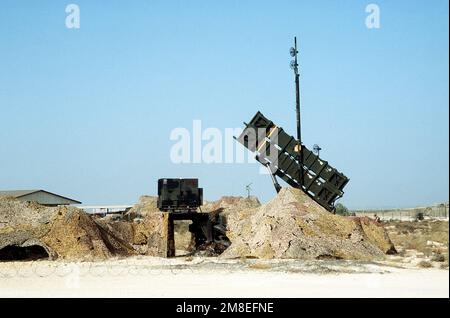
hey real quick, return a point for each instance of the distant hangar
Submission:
(39, 196)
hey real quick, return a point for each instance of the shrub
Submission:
(438, 258)
(342, 209)
(425, 264)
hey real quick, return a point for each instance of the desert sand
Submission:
(145, 276)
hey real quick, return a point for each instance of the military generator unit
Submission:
(178, 195)
(182, 200)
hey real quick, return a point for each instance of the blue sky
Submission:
(88, 112)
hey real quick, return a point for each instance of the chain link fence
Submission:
(438, 212)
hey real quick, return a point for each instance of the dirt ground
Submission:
(421, 243)
(145, 276)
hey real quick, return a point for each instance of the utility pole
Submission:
(294, 65)
(248, 189)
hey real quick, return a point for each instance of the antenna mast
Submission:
(294, 66)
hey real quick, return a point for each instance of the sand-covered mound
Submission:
(292, 225)
(230, 203)
(146, 236)
(145, 206)
(58, 232)
(227, 205)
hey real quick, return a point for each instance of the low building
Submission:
(105, 209)
(39, 196)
